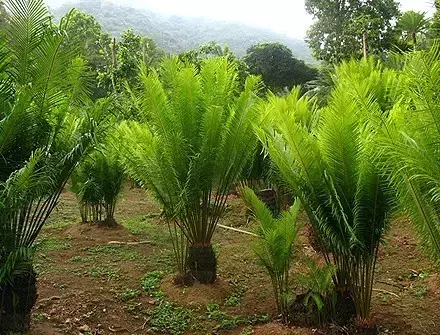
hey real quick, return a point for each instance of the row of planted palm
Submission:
(370, 151)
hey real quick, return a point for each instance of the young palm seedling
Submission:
(274, 249)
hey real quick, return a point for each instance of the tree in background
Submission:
(277, 65)
(413, 25)
(84, 34)
(130, 51)
(434, 29)
(339, 27)
(213, 49)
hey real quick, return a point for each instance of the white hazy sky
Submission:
(283, 16)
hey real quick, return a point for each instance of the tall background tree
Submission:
(339, 27)
(84, 34)
(277, 65)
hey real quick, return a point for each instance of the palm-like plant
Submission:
(330, 169)
(193, 146)
(413, 24)
(409, 144)
(274, 249)
(42, 137)
(97, 183)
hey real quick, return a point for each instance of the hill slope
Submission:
(176, 34)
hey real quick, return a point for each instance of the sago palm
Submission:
(409, 144)
(43, 134)
(331, 170)
(413, 24)
(274, 248)
(97, 182)
(195, 141)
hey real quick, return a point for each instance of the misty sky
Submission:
(283, 16)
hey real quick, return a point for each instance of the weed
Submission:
(236, 296)
(78, 259)
(213, 312)
(104, 271)
(128, 294)
(169, 318)
(151, 281)
(247, 331)
(53, 243)
(118, 252)
(421, 291)
(39, 317)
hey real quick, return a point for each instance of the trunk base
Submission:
(202, 264)
(15, 318)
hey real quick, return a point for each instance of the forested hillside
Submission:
(177, 34)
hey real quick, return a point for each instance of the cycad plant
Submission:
(97, 182)
(409, 145)
(42, 137)
(320, 289)
(274, 249)
(413, 24)
(331, 170)
(192, 147)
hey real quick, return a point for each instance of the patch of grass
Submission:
(213, 312)
(151, 281)
(128, 294)
(118, 252)
(247, 331)
(78, 259)
(236, 297)
(420, 291)
(230, 322)
(157, 233)
(170, 319)
(58, 225)
(53, 243)
(110, 273)
(164, 260)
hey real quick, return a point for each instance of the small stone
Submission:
(84, 329)
(68, 320)
(104, 310)
(152, 302)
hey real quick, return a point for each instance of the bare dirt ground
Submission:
(93, 280)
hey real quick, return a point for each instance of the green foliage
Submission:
(277, 66)
(170, 319)
(320, 288)
(413, 25)
(337, 31)
(128, 294)
(331, 170)
(409, 145)
(97, 182)
(195, 142)
(151, 281)
(275, 247)
(47, 125)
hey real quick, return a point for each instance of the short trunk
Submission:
(202, 263)
(16, 302)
